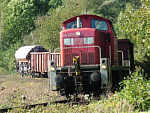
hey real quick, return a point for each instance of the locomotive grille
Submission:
(85, 58)
(67, 59)
(91, 59)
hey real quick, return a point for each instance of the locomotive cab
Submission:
(87, 36)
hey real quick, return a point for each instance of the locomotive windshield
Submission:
(68, 41)
(99, 24)
(72, 25)
(78, 41)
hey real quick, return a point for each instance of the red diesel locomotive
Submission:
(92, 58)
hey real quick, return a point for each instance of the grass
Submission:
(103, 106)
(3, 71)
(93, 107)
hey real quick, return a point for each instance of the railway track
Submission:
(25, 107)
(4, 110)
(71, 103)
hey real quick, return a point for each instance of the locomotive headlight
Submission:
(78, 33)
(103, 66)
(52, 68)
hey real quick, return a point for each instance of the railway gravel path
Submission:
(15, 90)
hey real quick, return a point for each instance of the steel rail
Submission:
(5, 110)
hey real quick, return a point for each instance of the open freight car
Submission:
(23, 57)
(39, 63)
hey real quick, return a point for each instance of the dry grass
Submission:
(16, 91)
(94, 107)
(31, 89)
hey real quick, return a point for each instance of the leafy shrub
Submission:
(7, 58)
(112, 105)
(136, 90)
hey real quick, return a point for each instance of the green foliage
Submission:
(112, 105)
(43, 6)
(20, 16)
(7, 59)
(55, 3)
(108, 8)
(134, 24)
(136, 90)
(49, 27)
(19, 19)
(2, 9)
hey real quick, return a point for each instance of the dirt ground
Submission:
(16, 90)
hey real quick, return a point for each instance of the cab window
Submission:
(99, 24)
(72, 25)
(68, 41)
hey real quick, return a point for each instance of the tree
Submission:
(20, 17)
(49, 27)
(135, 25)
(19, 20)
(43, 6)
(2, 9)
(108, 8)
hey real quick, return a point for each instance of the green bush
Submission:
(136, 90)
(7, 59)
(112, 105)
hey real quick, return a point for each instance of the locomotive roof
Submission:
(23, 52)
(86, 15)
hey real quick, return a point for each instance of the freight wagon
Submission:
(23, 58)
(39, 62)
